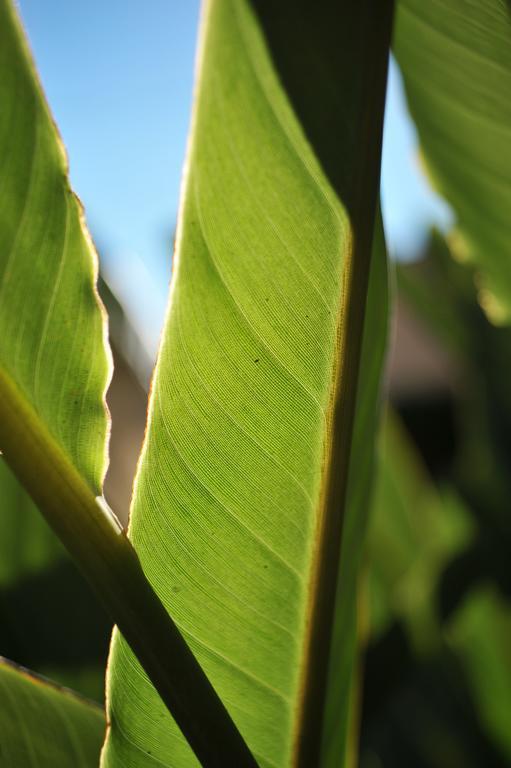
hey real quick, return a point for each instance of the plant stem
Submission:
(367, 27)
(99, 546)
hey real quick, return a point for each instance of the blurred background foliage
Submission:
(437, 668)
(435, 587)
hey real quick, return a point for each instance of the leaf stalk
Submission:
(104, 554)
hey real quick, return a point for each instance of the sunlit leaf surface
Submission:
(54, 367)
(44, 726)
(52, 352)
(231, 499)
(456, 60)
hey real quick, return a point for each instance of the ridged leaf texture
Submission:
(52, 351)
(232, 501)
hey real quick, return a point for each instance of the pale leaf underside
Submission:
(227, 501)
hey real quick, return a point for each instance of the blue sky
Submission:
(119, 76)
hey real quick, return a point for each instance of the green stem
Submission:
(107, 559)
(369, 24)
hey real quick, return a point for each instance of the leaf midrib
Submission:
(341, 408)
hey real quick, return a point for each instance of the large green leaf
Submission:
(455, 56)
(52, 353)
(44, 726)
(54, 369)
(239, 500)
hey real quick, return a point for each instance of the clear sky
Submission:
(118, 75)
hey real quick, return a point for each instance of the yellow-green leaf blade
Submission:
(455, 56)
(51, 328)
(236, 491)
(46, 726)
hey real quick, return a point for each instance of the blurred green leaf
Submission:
(428, 720)
(455, 56)
(480, 634)
(479, 394)
(27, 545)
(415, 530)
(437, 274)
(46, 726)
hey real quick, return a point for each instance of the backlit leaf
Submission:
(53, 359)
(455, 56)
(238, 505)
